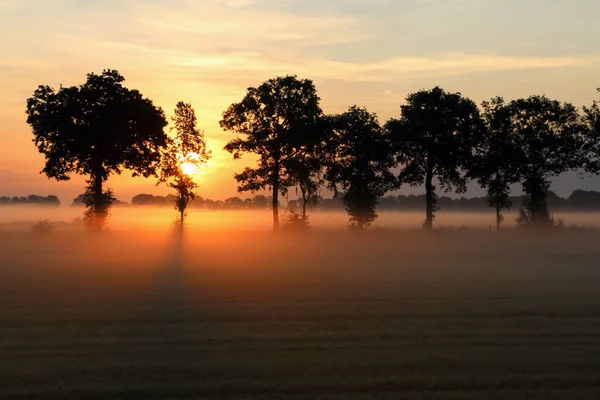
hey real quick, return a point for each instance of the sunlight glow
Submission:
(191, 165)
(188, 168)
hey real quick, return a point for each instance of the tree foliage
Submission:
(96, 129)
(188, 147)
(547, 142)
(306, 169)
(496, 164)
(275, 121)
(591, 120)
(361, 164)
(435, 137)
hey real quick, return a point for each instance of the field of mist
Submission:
(159, 218)
(231, 310)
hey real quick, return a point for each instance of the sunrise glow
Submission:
(370, 53)
(188, 168)
(191, 165)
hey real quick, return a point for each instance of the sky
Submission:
(208, 52)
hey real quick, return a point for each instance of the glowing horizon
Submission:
(356, 51)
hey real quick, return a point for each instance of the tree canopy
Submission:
(185, 153)
(547, 139)
(274, 121)
(496, 163)
(361, 165)
(435, 137)
(591, 120)
(96, 129)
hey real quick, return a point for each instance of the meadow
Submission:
(243, 313)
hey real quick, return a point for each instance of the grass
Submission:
(386, 315)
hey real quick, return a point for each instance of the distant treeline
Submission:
(80, 201)
(579, 200)
(50, 200)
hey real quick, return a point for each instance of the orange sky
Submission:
(369, 53)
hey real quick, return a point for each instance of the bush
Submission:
(44, 227)
(294, 221)
(524, 219)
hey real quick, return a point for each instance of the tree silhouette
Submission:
(435, 137)
(547, 136)
(361, 164)
(272, 121)
(591, 120)
(306, 169)
(96, 129)
(187, 149)
(496, 165)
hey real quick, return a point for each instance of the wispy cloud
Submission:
(4, 4)
(248, 62)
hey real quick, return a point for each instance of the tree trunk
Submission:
(429, 201)
(276, 203)
(99, 211)
(538, 206)
(304, 202)
(498, 217)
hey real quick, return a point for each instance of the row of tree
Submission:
(579, 200)
(440, 139)
(50, 200)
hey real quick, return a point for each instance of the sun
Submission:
(188, 168)
(191, 165)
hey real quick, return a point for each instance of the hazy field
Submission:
(240, 314)
(153, 218)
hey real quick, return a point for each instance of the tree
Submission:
(435, 137)
(361, 164)
(96, 129)
(496, 165)
(548, 136)
(183, 156)
(306, 169)
(591, 120)
(272, 121)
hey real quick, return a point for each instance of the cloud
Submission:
(240, 3)
(220, 64)
(245, 27)
(4, 4)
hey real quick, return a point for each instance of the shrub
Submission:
(294, 221)
(44, 227)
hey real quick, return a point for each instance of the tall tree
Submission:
(496, 164)
(591, 120)
(185, 154)
(361, 164)
(96, 129)
(435, 137)
(548, 140)
(272, 121)
(306, 169)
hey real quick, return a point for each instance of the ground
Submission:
(385, 315)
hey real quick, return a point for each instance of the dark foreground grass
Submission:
(455, 315)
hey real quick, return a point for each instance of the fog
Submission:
(160, 218)
(231, 310)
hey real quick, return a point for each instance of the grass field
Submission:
(384, 315)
